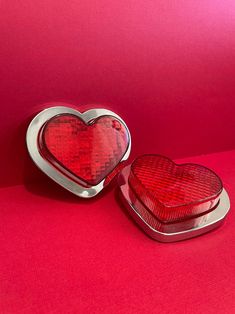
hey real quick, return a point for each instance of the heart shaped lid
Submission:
(174, 192)
(87, 152)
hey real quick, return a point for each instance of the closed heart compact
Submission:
(173, 202)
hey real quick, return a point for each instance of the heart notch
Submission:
(81, 151)
(173, 202)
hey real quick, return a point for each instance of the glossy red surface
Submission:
(173, 192)
(88, 152)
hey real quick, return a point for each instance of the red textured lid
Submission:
(85, 152)
(174, 192)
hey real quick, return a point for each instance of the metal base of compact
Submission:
(175, 231)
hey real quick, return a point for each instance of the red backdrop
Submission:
(168, 68)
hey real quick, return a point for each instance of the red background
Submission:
(168, 68)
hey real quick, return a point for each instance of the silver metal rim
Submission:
(32, 145)
(214, 218)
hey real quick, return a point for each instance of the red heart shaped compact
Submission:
(171, 201)
(80, 151)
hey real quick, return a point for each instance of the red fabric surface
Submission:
(60, 254)
(167, 67)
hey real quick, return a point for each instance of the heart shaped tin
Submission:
(173, 202)
(79, 151)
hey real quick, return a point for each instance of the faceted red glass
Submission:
(173, 192)
(85, 152)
